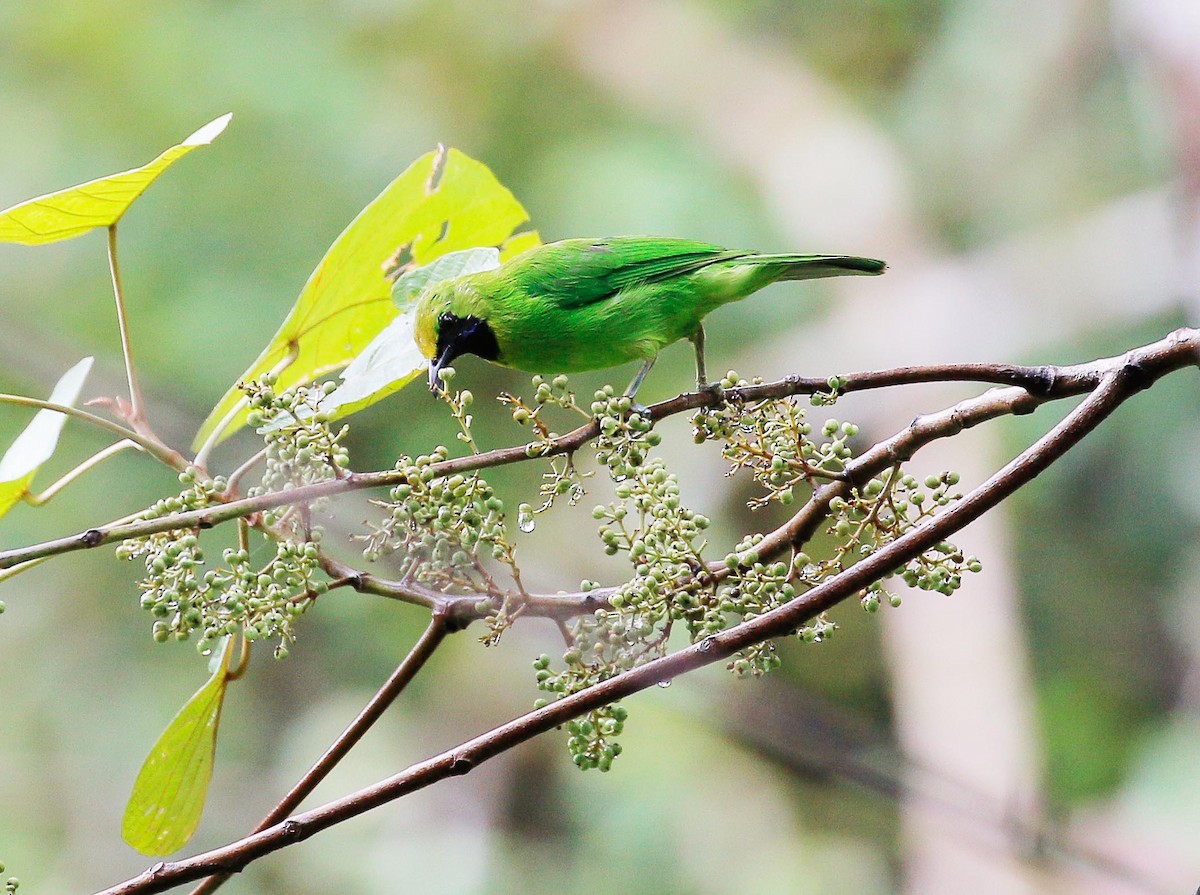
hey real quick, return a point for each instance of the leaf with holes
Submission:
(97, 203)
(444, 202)
(36, 444)
(168, 797)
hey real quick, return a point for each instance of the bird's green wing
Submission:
(574, 273)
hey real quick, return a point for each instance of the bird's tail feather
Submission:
(811, 267)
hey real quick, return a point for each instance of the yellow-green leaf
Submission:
(445, 201)
(97, 203)
(36, 444)
(168, 796)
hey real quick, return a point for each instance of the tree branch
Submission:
(1041, 383)
(1115, 380)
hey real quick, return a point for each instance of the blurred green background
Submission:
(1030, 170)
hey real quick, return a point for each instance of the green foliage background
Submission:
(1037, 165)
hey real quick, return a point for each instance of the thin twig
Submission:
(137, 407)
(95, 460)
(235, 477)
(14, 571)
(150, 445)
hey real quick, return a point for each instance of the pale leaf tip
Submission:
(209, 132)
(72, 381)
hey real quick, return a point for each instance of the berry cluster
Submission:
(184, 596)
(260, 599)
(663, 540)
(592, 738)
(443, 525)
(563, 478)
(625, 435)
(887, 507)
(772, 439)
(300, 446)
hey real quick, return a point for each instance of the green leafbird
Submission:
(586, 304)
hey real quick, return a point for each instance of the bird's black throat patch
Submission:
(465, 335)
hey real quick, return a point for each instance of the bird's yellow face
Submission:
(425, 323)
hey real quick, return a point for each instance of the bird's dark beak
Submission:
(435, 382)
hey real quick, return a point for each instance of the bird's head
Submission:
(447, 325)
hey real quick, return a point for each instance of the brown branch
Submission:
(1120, 379)
(1046, 382)
(459, 610)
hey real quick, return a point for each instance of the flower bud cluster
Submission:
(721, 423)
(265, 602)
(445, 526)
(626, 436)
(185, 596)
(553, 393)
(301, 448)
(673, 583)
(754, 586)
(564, 479)
(459, 402)
(664, 542)
(829, 398)
(591, 739)
(773, 440)
(173, 589)
(886, 508)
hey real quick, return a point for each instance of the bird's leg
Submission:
(702, 384)
(631, 391)
(698, 340)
